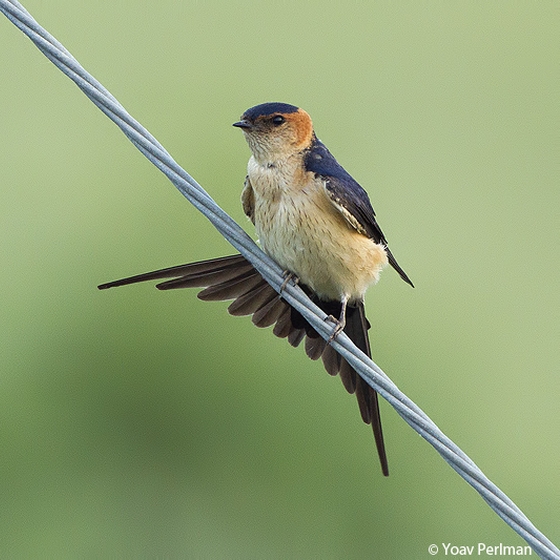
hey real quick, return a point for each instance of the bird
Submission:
(318, 224)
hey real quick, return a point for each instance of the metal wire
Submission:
(372, 374)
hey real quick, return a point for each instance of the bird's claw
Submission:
(338, 327)
(288, 276)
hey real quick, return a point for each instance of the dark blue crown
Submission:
(266, 109)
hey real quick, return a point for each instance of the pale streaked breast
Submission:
(300, 228)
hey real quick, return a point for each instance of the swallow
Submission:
(318, 224)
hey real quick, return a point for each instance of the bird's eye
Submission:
(278, 120)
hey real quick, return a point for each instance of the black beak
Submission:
(243, 124)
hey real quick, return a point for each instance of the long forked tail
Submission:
(235, 278)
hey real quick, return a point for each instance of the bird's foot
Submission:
(338, 326)
(288, 277)
(339, 323)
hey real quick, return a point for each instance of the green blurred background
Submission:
(143, 424)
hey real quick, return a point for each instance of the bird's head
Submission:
(276, 131)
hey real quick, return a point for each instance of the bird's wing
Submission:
(345, 193)
(248, 200)
(348, 197)
(235, 278)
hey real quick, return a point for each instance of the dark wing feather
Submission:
(196, 275)
(248, 200)
(235, 278)
(348, 197)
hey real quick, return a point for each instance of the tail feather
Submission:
(356, 328)
(233, 277)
